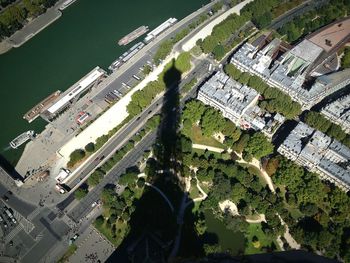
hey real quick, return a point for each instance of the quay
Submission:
(34, 27)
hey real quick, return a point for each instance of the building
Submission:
(308, 71)
(318, 153)
(237, 102)
(228, 96)
(74, 93)
(339, 112)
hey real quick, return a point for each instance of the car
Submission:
(94, 204)
(11, 243)
(5, 198)
(5, 224)
(14, 220)
(1, 219)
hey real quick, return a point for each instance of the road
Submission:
(84, 206)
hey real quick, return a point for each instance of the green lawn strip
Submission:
(263, 240)
(194, 192)
(198, 138)
(70, 251)
(107, 232)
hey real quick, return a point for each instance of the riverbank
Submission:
(32, 28)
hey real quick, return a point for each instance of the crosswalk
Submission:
(13, 233)
(33, 214)
(27, 225)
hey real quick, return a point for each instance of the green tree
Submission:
(80, 193)
(76, 156)
(95, 178)
(90, 147)
(193, 111)
(219, 52)
(128, 178)
(259, 146)
(212, 121)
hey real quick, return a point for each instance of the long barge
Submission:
(35, 112)
(126, 56)
(133, 35)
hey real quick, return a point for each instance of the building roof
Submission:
(332, 35)
(78, 88)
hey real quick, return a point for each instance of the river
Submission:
(84, 37)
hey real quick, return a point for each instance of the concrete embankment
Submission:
(32, 28)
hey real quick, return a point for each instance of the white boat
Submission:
(19, 140)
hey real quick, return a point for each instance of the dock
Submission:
(35, 112)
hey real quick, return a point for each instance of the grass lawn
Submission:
(194, 192)
(197, 137)
(263, 240)
(108, 232)
(71, 249)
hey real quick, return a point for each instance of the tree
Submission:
(345, 60)
(336, 132)
(146, 69)
(259, 146)
(212, 121)
(95, 178)
(163, 51)
(219, 52)
(232, 71)
(76, 156)
(128, 178)
(271, 166)
(241, 143)
(99, 221)
(317, 121)
(90, 147)
(141, 182)
(80, 193)
(200, 225)
(193, 111)
(186, 144)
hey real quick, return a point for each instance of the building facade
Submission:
(318, 153)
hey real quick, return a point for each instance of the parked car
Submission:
(5, 198)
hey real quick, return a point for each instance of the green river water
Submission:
(84, 37)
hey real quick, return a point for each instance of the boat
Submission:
(126, 56)
(133, 35)
(20, 139)
(34, 112)
(66, 4)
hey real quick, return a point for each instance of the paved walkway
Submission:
(206, 147)
(32, 28)
(291, 241)
(207, 30)
(256, 163)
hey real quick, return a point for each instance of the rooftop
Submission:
(332, 35)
